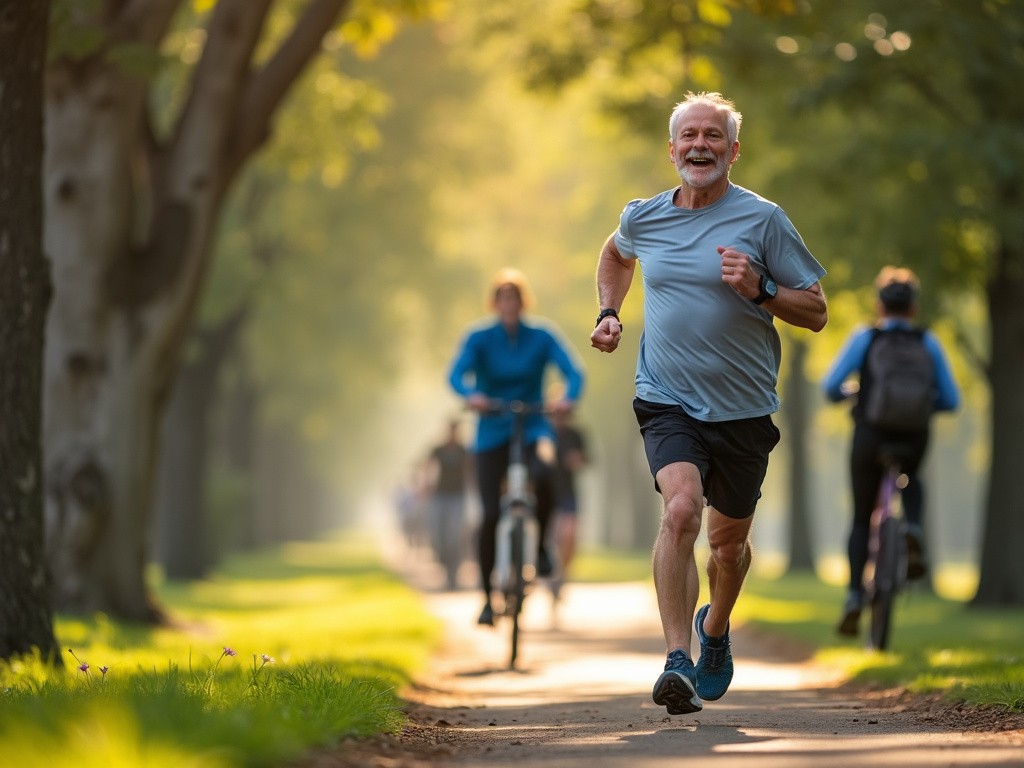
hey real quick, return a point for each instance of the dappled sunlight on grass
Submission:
(956, 581)
(273, 654)
(100, 736)
(937, 644)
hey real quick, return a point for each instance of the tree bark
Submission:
(26, 614)
(129, 221)
(1001, 578)
(796, 415)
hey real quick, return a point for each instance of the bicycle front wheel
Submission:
(887, 582)
(517, 585)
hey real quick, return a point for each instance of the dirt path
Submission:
(581, 699)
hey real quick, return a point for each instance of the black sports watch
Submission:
(609, 312)
(769, 290)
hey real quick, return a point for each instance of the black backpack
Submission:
(898, 381)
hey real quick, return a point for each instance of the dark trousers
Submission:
(491, 467)
(866, 471)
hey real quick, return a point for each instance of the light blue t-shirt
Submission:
(704, 346)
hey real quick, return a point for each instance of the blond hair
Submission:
(509, 276)
(890, 274)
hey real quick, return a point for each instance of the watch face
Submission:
(771, 288)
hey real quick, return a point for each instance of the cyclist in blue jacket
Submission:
(898, 290)
(506, 358)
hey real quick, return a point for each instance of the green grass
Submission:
(345, 636)
(937, 644)
(341, 637)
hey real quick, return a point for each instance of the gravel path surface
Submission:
(580, 698)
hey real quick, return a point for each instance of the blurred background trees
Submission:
(254, 310)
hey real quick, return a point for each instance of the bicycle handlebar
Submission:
(521, 407)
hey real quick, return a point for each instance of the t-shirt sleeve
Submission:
(623, 235)
(789, 261)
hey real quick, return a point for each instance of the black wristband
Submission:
(607, 313)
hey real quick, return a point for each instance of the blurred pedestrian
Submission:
(571, 458)
(450, 468)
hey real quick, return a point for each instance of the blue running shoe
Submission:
(714, 668)
(676, 689)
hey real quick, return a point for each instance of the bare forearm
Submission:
(801, 308)
(614, 275)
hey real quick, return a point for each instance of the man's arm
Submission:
(614, 276)
(804, 308)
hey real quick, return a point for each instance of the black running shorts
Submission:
(732, 456)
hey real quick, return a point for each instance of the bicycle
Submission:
(887, 553)
(518, 529)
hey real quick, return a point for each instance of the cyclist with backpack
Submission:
(903, 378)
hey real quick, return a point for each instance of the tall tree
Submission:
(133, 191)
(934, 163)
(796, 415)
(26, 615)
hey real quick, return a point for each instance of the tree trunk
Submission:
(128, 225)
(181, 540)
(1001, 580)
(237, 445)
(795, 413)
(114, 336)
(186, 544)
(26, 614)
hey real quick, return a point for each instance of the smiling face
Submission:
(701, 149)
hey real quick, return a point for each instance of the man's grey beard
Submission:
(686, 172)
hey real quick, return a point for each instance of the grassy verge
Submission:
(937, 644)
(275, 654)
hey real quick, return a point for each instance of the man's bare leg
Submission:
(729, 541)
(676, 579)
(677, 583)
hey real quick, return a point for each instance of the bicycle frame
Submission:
(888, 550)
(517, 530)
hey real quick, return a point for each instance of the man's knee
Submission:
(730, 554)
(682, 516)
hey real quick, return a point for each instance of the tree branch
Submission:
(142, 21)
(266, 88)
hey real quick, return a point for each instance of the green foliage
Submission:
(73, 33)
(331, 638)
(940, 645)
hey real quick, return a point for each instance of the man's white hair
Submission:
(712, 98)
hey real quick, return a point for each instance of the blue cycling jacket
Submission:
(504, 366)
(851, 360)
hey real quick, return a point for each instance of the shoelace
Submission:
(714, 655)
(676, 660)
